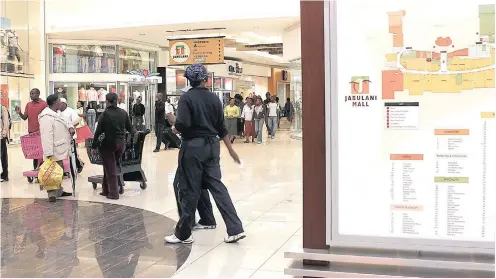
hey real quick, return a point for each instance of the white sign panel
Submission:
(234, 68)
(416, 120)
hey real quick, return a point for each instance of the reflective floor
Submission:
(84, 239)
(266, 191)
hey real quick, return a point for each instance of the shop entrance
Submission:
(147, 93)
(283, 91)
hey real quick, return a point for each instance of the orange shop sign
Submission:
(208, 50)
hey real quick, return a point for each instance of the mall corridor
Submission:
(128, 241)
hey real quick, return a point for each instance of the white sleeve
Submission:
(75, 118)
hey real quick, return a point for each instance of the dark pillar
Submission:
(313, 99)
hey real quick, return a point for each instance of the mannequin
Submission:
(101, 95)
(58, 55)
(97, 54)
(84, 56)
(91, 95)
(82, 94)
(136, 94)
(14, 45)
(3, 42)
(110, 59)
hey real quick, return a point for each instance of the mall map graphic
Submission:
(416, 131)
(445, 68)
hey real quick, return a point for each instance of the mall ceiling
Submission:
(257, 41)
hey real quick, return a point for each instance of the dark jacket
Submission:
(114, 122)
(159, 112)
(138, 110)
(200, 115)
(261, 114)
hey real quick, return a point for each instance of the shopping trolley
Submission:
(32, 149)
(128, 165)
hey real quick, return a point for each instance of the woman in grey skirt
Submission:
(231, 112)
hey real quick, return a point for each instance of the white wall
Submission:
(77, 15)
(291, 44)
(255, 70)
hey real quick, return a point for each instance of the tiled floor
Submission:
(266, 190)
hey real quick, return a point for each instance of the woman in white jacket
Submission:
(56, 135)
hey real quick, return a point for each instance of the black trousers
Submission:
(204, 205)
(199, 163)
(5, 159)
(159, 130)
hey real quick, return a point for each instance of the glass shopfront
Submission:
(134, 59)
(22, 65)
(296, 99)
(83, 58)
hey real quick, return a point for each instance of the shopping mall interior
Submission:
(297, 221)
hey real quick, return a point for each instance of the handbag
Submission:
(100, 140)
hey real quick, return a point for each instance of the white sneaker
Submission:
(234, 238)
(174, 240)
(203, 227)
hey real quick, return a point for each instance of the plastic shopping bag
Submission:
(50, 175)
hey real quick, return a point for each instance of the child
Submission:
(247, 115)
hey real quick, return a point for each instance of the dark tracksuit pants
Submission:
(199, 163)
(159, 129)
(204, 205)
(4, 159)
(110, 157)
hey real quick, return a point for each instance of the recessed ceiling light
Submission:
(142, 34)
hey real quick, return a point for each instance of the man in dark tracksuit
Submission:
(200, 120)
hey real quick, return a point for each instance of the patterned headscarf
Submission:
(196, 72)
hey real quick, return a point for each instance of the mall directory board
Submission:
(412, 130)
(208, 50)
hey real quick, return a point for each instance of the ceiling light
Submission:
(142, 34)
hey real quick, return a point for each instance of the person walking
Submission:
(138, 112)
(238, 101)
(231, 112)
(200, 121)
(272, 116)
(71, 115)
(56, 136)
(159, 122)
(259, 114)
(266, 105)
(31, 113)
(110, 139)
(289, 110)
(4, 133)
(247, 116)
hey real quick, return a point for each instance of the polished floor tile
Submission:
(268, 184)
(83, 239)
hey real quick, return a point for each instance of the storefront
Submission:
(85, 71)
(296, 98)
(22, 59)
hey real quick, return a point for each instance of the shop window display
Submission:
(92, 95)
(10, 54)
(83, 59)
(133, 59)
(296, 99)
